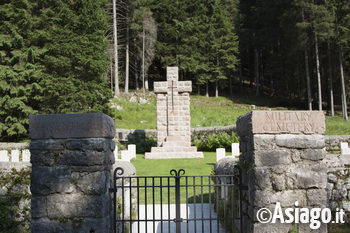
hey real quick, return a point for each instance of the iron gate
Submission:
(153, 204)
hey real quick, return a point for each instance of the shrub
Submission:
(213, 141)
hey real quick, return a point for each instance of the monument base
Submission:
(174, 149)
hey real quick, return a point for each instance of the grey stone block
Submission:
(87, 125)
(278, 182)
(307, 176)
(47, 144)
(43, 157)
(288, 198)
(46, 180)
(271, 157)
(38, 207)
(300, 141)
(93, 183)
(78, 205)
(316, 197)
(259, 179)
(85, 158)
(313, 154)
(264, 142)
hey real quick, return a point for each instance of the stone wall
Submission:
(15, 197)
(333, 142)
(338, 183)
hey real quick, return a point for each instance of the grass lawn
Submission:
(162, 167)
(207, 112)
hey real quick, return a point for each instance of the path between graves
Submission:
(192, 226)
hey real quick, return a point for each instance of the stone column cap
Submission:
(281, 122)
(86, 125)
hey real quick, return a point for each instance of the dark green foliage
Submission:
(143, 143)
(52, 58)
(213, 141)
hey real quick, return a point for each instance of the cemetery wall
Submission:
(124, 134)
(15, 196)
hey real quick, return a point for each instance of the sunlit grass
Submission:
(162, 167)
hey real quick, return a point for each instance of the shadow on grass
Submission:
(210, 164)
(199, 199)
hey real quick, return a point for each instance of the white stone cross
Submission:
(172, 85)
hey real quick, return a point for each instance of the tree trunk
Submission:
(308, 79)
(330, 79)
(136, 76)
(143, 62)
(116, 81)
(230, 80)
(343, 93)
(257, 72)
(318, 75)
(126, 91)
(111, 67)
(207, 89)
(240, 78)
(216, 88)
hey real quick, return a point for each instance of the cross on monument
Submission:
(173, 126)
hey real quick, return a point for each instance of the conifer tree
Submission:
(52, 60)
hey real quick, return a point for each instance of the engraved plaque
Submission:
(86, 125)
(281, 122)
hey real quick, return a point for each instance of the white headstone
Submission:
(345, 151)
(14, 155)
(125, 155)
(3, 156)
(235, 149)
(220, 153)
(132, 151)
(116, 152)
(26, 155)
(344, 145)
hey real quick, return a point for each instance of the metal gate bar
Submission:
(124, 187)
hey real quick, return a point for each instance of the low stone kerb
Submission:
(87, 125)
(281, 122)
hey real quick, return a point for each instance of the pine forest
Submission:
(73, 56)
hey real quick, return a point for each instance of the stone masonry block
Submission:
(87, 125)
(95, 183)
(49, 144)
(277, 122)
(259, 178)
(46, 180)
(38, 207)
(85, 158)
(316, 197)
(78, 205)
(313, 154)
(307, 176)
(264, 142)
(271, 157)
(301, 141)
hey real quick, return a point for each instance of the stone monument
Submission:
(173, 119)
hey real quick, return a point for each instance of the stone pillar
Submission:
(282, 162)
(72, 157)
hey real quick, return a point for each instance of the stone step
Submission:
(174, 149)
(176, 143)
(173, 139)
(173, 155)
